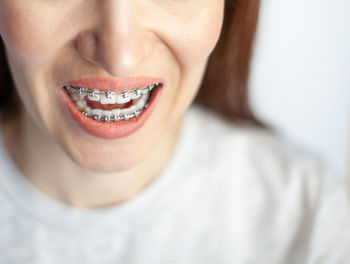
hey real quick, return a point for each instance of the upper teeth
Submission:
(109, 97)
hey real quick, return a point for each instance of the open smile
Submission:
(109, 108)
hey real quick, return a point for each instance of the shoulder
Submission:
(273, 192)
(256, 160)
(288, 192)
(250, 150)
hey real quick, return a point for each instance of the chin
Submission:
(105, 156)
(117, 162)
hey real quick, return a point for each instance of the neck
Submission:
(36, 152)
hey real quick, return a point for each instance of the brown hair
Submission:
(224, 88)
(7, 93)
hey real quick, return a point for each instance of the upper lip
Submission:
(115, 85)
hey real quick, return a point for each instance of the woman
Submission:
(100, 164)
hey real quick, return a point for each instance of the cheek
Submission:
(193, 38)
(28, 36)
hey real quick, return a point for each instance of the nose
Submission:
(119, 42)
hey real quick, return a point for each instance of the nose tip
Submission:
(119, 55)
(118, 44)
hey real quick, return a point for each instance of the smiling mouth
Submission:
(108, 106)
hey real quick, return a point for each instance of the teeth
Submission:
(128, 116)
(117, 118)
(129, 111)
(144, 90)
(82, 91)
(107, 119)
(139, 95)
(115, 115)
(97, 117)
(123, 98)
(107, 113)
(142, 101)
(116, 112)
(136, 94)
(81, 104)
(88, 110)
(94, 92)
(137, 113)
(108, 98)
(94, 95)
(77, 97)
(96, 112)
(108, 94)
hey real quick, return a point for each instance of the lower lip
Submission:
(112, 130)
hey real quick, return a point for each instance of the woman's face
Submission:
(112, 46)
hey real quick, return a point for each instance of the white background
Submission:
(300, 82)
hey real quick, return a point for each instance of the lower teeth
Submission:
(115, 118)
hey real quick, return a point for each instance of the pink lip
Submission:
(115, 85)
(113, 130)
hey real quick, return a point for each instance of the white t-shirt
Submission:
(230, 195)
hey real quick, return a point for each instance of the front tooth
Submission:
(108, 113)
(116, 118)
(123, 98)
(108, 98)
(107, 119)
(116, 112)
(94, 95)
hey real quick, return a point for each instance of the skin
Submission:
(51, 42)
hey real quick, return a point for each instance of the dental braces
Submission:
(106, 97)
(92, 93)
(116, 118)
